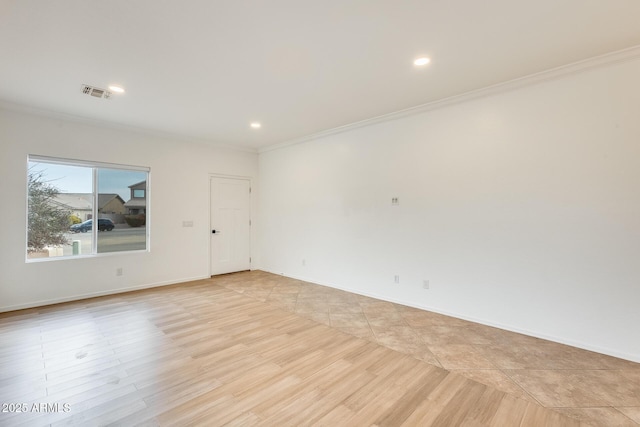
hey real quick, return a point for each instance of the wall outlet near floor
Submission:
(396, 279)
(425, 284)
(395, 201)
(119, 271)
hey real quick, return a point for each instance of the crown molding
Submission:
(56, 115)
(620, 56)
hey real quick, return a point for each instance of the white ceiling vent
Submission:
(96, 92)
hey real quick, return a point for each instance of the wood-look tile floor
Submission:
(232, 350)
(588, 386)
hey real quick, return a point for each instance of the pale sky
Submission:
(77, 179)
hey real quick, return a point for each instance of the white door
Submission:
(230, 225)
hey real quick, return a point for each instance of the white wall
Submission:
(522, 209)
(179, 191)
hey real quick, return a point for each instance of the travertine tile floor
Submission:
(592, 387)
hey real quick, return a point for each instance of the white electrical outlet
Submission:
(425, 284)
(396, 279)
(395, 201)
(304, 262)
(119, 271)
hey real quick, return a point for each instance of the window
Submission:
(85, 208)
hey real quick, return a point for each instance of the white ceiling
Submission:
(205, 69)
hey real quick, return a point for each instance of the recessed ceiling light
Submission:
(421, 61)
(116, 89)
(256, 125)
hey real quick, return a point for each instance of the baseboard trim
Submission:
(80, 297)
(553, 338)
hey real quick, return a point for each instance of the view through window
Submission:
(84, 208)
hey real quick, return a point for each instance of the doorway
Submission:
(230, 233)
